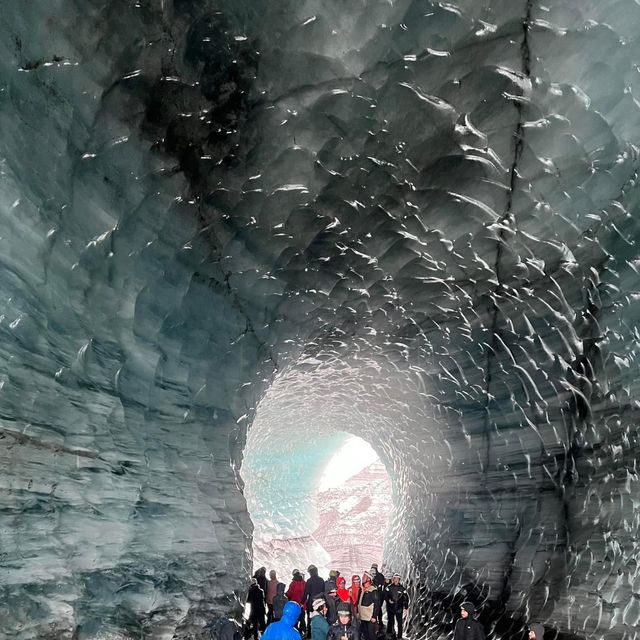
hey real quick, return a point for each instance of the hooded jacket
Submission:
(284, 629)
(354, 591)
(342, 592)
(468, 628)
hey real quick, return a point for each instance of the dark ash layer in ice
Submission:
(423, 212)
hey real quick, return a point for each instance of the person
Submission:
(255, 599)
(317, 620)
(332, 601)
(261, 576)
(397, 600)
(368, 605)
(344, 628)
(354, 595)
(468, 628)
(284, 628)
(279, 601)
(342, 592)
(313, 588)
(377, 578)
(295, 592)
(272, 591)
(536, 631)
(296, 588)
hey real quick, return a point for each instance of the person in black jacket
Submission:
(395, 595)
(343, 629)
(256, 621)
(331, 599)
(314, 587)
(468, 628)
(261, 577)
(377, 578)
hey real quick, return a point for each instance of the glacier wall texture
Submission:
(423, 212)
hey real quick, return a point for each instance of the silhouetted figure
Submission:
(261, 577)
(377, 578)
(332, 601)
(279, 601)
(270, 594)
(313, 588)
(256, 621)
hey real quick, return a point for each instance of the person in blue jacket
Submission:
(284, 629)
(319, 624)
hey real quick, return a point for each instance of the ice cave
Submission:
(407, 221)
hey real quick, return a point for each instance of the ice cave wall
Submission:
(437, 201)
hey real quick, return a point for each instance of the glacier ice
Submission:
(420, 213)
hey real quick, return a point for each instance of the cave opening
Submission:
(316, 492)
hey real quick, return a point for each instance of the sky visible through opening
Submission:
(354, 456)
(319, 506)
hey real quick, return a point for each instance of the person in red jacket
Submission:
(354, 595)
(295, 593)
(342, 592)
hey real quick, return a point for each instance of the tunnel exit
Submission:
(327, 505)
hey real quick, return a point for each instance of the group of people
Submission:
(326, 610)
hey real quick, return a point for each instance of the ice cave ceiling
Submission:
(423, 214)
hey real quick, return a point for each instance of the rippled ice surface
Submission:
(419, 218)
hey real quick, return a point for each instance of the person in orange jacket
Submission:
(354, 594)
(342, 591)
